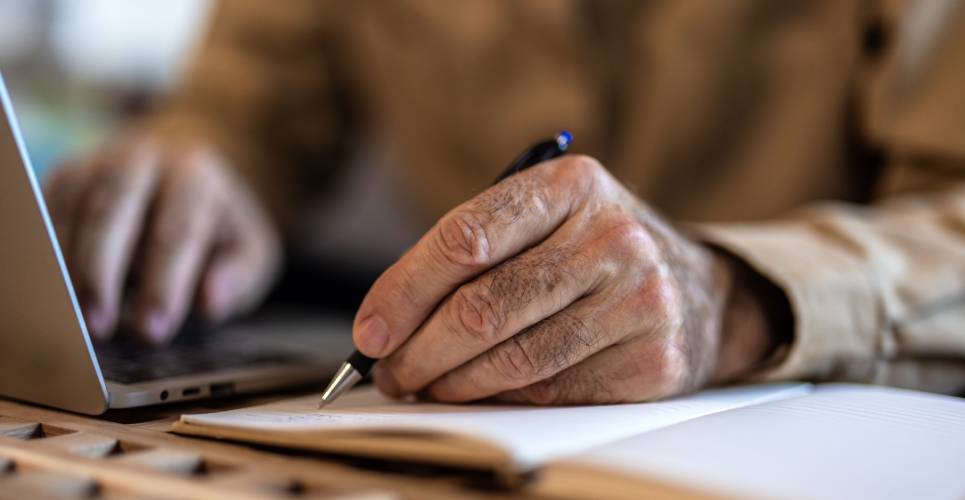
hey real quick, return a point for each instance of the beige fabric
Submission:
(841, 123)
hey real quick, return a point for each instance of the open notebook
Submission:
(842, 441)
(507, 438)
(769, 440)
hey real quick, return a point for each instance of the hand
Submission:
(176, 219)
(558, 286)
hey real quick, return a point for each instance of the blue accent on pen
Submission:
(563, 139)
(538, 153)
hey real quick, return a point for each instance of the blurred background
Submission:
(76, 68)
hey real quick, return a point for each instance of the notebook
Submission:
(502, 438)
(841, 441)
(786, 440)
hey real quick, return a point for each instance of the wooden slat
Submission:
(110, 495)
(116, 476)
(83, 443)
(21, 492)
(287, 486)
(183, 463)
(50, 483)
(18, 429)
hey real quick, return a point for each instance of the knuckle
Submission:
(577, 338)
(628, 233)
(523, 196)
(187, 213)
(625, 240)
(199, 172)
(533, 199)
(585, 166)
(463, 238)
(193, 178)
(673, 364)
(597, 387)
(175, 226)
(512, 362)
(404, 290)
(584, 173)
(477, 313)
(662, 369)
(114, 176)
(660, 296)
(104, 196)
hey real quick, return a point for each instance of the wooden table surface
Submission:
(46, 453)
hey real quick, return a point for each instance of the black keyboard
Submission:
(130, 361)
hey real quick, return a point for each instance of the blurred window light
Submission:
(19, 28)
(136, 43)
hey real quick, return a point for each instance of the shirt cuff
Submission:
(830, 289)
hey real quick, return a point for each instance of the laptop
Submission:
(46, 354)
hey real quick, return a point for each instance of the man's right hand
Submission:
(176, 219)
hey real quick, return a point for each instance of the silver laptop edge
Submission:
(91, 394)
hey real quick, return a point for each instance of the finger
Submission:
(609, 315)
(241, 269)
(181, 235)
(627, 308)
(63, 192)
(507, 299)
(547, 348)
(642, 370)
(513, 215)
(108, 228)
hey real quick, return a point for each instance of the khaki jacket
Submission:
(822, 141)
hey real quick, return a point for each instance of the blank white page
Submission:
(844, 441)
(531, 435)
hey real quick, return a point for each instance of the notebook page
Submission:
(844, 441)
(531, 435)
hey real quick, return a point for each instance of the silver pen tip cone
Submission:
(344, 379)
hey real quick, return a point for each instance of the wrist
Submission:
(756, 320)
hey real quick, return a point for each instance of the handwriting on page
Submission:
(310, 419)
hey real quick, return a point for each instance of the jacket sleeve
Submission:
(878, 291)
(264, 88)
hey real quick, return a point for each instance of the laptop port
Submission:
(222, 389)
(190, 391)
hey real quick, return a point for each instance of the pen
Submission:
(358, 365)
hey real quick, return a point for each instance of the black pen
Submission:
(358, 365)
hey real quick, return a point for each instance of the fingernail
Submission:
(157, 326)
(373, 336)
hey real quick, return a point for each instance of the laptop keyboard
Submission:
(130, 361)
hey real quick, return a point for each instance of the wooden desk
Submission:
(46, 453)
